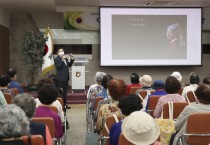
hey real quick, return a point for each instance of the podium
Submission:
(78, 74)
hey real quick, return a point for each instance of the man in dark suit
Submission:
(62, 65)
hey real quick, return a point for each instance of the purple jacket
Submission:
(44, 111)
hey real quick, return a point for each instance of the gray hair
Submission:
(27, 103)
(13, 122)
(99, 76)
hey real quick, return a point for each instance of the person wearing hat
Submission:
(172, 87)
(146, 82)
(159, 87)
(134, 78)
(194, 80)
(140, 128)
(127, 105)
(178, 76)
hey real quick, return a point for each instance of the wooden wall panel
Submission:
(4, 49)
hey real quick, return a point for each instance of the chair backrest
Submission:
(191, 97)
(198, 123)
(54, 108)
(134, 89)
(35, 140)
(177, 109)
(96, 101)
(8, 98)
(153, 100)
(109, 122)
(123, 141)
(48, 121)
(62, 103)
(143, 93)
(15, 90)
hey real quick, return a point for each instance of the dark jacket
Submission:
(62, 68)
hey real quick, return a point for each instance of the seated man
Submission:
(4, 83)
(13, 83)
(134, 82)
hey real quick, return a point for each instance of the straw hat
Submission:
(177, 75)
(140, 128)
(146, 80)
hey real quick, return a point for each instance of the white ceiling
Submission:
(49, 6)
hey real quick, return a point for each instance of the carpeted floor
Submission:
(77, 122)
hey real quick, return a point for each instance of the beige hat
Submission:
(177, 75)
(140, 128)
(146, 80)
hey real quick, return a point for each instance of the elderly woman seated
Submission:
(47, 95)
(96, 88)
(28, 104)
(13, 125)
(55, 103)
(172, 87)
(203, 95)
(116, 89)
(139, 128)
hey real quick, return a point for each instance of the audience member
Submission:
(127, 105)
(206, 80)
(103, 93)
(55, 103)
(172, 87)
(140, 128)
(178, 76)
(96, 88)
(47, 95)
(146, 82)
(104, 82)
(194, 81)
(2, 99)
(4, 83)
(116, 89)
(159, 87)
(13, 83)
(53, 77)
(28, 104)
(13, 125)
(134, 78)
(203, 95)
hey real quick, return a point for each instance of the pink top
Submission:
(165, 99)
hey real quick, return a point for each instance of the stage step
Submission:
(76, 97)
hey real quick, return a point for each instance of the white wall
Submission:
(4, 18)
(56, 22)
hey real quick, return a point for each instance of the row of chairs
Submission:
(46, 120)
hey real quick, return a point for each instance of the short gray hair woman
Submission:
(27, 103)
(99, 76)
(13, 124)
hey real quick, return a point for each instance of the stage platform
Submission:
(73, 96)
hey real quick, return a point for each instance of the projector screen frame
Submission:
(145, 65)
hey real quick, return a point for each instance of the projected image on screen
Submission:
(150, 36)
(164, 39)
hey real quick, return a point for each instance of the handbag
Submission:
(167, 127)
